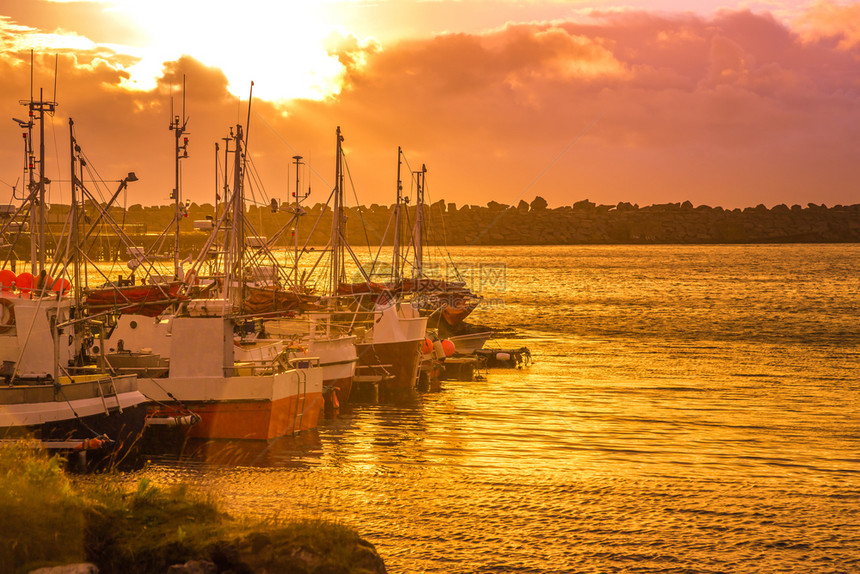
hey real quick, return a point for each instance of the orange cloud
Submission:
(734, 110)
(826, 20)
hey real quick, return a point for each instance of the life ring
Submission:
(8, 319)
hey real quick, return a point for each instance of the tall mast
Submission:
(31, 186)
(74, 237)
(337, 215)
(396, 278)
(73, 215)
(297, 195)
(42, 106)
(226, 189)
(418, 231)
(236, 270)
(37, 188)
(178, 126)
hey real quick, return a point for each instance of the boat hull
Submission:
(245, 407)
(337, 358)
(468, 344)
(79, 411)
(398, 359)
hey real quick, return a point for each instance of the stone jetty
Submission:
(528, 223)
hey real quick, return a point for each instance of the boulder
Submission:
(83, 568)
(194, 567)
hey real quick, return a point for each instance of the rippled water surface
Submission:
(690, 409)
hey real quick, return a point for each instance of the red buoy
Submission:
(7, 279)
(24, 282)
(61, 286)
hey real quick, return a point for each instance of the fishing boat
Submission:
(445, 303)
(390, 351)
(49, 392)
(388, 332)
(40, 398)
(206, 378)
(279, 310)
(318, 336)
(234, 399)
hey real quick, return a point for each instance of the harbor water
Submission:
(689, 409)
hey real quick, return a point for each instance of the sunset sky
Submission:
(733, 104)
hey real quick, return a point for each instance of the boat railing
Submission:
(281, 363)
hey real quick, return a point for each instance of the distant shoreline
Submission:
(582, 223)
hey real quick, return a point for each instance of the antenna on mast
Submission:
(56, 68)
(248, 123)
(180, 152)
(184, 117)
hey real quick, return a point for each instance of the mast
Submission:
(73, 214)
(37, 188)
(180, 152)
(235, 270)
(41, 109)
(397, 272)
(31, 185)
(418, 230)
(217, 149)
(225, 196)
(74, 239)
(337, 218)
(297, 195)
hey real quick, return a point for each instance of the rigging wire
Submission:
(358, 206)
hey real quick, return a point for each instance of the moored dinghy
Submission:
(469, 344)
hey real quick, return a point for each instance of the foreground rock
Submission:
(54, 525)
(85, 568)
(307, 547)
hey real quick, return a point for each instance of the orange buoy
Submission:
(46, 284)
(427, 346)
(24, 282)
(7, 280)
(90, 444)
(61, 286)
(448, 347)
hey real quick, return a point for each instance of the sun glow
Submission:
(277, 45)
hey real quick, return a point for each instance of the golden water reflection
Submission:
(689, 409)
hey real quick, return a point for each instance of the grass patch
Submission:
(42, 517)
(50, 520)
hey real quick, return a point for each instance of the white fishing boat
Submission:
(231, 395)
(36, 400)
(391, 349)
(234, 399)
(48, 392)
(316, 335)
